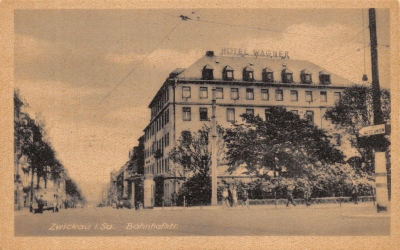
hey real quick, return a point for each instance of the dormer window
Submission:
(324, 77)
(228, 73)
(248, 74)
(287, 76)
(208, 73)
(268, 75)
(306, 76)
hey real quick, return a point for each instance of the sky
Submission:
(91, 74)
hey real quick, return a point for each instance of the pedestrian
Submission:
(307, 194)
(246, 198)
(40, 204)
(230, 195)
(234, 196)
(290, 189)
(354, 193)
(225, 195)
(174, 198)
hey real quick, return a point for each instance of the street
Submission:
(317, 220)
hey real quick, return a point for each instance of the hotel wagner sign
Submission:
(255, 52)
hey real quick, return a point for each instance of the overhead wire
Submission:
(138, 64)
(231, 25)
(247, 27)
(333, 52)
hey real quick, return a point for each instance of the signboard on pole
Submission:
(373, 130)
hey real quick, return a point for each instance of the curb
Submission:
(383, 215)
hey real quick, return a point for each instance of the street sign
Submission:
(373, 130)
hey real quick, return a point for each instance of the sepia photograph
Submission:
(202, 122)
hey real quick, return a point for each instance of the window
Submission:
(323, 96)
(309, 96)
(230, 115)
(166, 116)
(305, 76)
(250, 112)
(186, 162)
(324, 77)
(267, 114)
(296, 112)
(248, 74)
(337, 97)
(268, 75)
(234, 93)
(294, 97)
(167, 140)
(208, 73)
(203, 93)
(228, 73)
(186, 114)
(264, 94)
(279, 95)
(203, 114)
(185, 92)
(336, 139)
(287, 76)
(309, 116)
(250, 94)
(219, 93)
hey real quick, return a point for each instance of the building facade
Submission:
(242, 85)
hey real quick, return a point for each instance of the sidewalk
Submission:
(369, 211)
(364, 209)
(23, 211)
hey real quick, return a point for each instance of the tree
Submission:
(284, 143)
(353, 112)
(72, 190)
(193, 154)
(137, 158)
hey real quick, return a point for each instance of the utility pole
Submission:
(376, 92)
(214, 200)
(377, 140)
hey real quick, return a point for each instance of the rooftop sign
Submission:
(256, 53)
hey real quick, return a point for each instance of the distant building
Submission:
(127, 182)
(243, 85)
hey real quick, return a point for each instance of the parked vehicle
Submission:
(124, 202)
(45, 199)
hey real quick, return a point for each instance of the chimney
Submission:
(210, 53)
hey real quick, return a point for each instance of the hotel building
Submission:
(243, 84)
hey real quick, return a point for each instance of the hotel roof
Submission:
(218, 63)
(257, 64)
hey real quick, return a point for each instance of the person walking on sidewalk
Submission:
(354, 193)
(225, 197)
(307, 194)
(290, 189)
(234, 196)
(246, 198)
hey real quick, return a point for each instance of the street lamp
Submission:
(214, 200)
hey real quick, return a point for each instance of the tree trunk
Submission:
(30, 207)
(38, 181)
